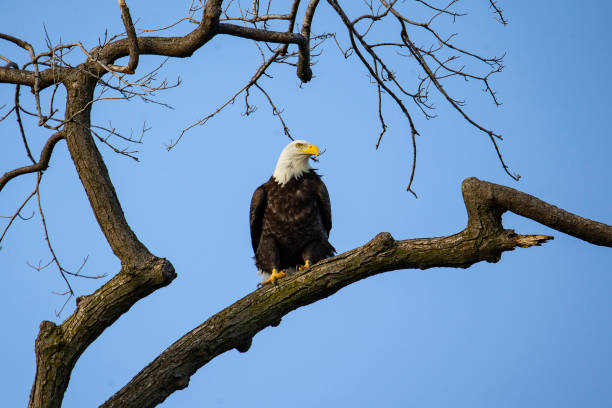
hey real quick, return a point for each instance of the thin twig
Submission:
(16, 214)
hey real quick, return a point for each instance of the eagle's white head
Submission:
(293, 161)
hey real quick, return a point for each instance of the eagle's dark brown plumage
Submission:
(290, 216)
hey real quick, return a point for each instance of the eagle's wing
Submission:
(258, 205)
(325, 205)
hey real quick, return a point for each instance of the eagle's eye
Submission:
(300, 146)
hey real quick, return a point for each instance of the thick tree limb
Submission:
(59, 347)
(484, 239)
(531, 207)
(302, 40)
(94, 174)
(47, 77)
(41, 165)
(169, 46)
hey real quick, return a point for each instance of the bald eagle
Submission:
(290, 215)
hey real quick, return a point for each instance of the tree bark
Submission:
(59, 347)
(484, 239)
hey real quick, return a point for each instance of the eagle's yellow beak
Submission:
(311, 149)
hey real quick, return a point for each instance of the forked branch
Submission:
(484, 239)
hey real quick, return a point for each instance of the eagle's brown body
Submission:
(290, 223)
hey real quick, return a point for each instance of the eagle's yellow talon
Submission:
(305, 266)
(274, 276)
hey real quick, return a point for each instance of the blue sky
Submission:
(532, 330)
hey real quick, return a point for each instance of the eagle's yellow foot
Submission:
(274, 276)
(305, 266)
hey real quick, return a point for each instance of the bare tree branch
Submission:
(444, 10)
(47, 77)
(58, 347)
(17, 109)
(414, 50)
(303, 67)
(132, 39)
(258, 74)
(65, 343)
(292, 16)
(54, 257)
(41, 165)
(484, 239)
(260, 35)
(275, 111)
(374, 74)
(499, 12)
(142, 273)
(18, 212)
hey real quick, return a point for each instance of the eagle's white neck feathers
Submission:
(291, 163)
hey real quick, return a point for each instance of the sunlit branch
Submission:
(259, 34)
(132, 41)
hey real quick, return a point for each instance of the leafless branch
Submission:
(303, 66)
(259, 34)
(151, 30)
(444, 10)
(499, 12)
(46, 231)
(440, 67)
(483, 239)
(132, 41)
(275, 111)
(374, 74)
(292, 16)
(54, 259)
(258, 74)
(416, 53)
(41, 165)
(20, 124)
(380, 115)
(17, 213)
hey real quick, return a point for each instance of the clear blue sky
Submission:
(533, 330)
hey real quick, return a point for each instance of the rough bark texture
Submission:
(484, 239)
(94, 174)
(58, 347)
